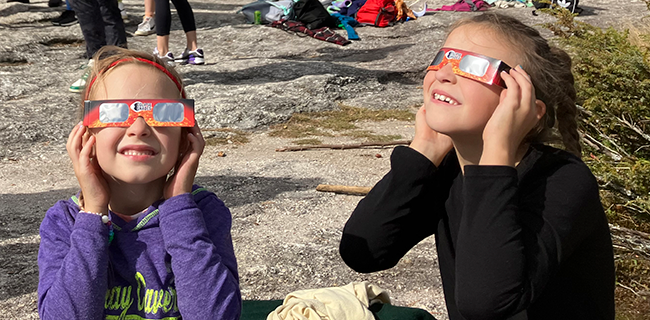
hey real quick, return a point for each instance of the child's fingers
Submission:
(522, 71)
(525, 85)
(512, 91)
(196, 142)
(74, 143)
(84, 155)
(72, 134)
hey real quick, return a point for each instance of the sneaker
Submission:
(146, 27)
(54, 3)
(125, 17)
(168, 58)
(191, 57)
(67, 18)
(80, 85)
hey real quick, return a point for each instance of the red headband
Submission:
(153, 63)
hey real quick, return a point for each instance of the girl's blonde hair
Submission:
(550, 70)
(108, 55)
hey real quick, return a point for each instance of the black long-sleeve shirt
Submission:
(528, 242)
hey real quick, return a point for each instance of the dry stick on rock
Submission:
(357, 191)
(344, 146)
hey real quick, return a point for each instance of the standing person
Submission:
(138, 241)
(192, 53)
(148, 24)
(101, 25)
(519, 227)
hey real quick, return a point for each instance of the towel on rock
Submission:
(335, 303)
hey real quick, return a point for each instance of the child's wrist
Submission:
(100, 210)
(496, 156)
(428, 150)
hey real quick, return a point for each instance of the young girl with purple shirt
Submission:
(140, 240)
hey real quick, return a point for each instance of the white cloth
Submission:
(336, 303)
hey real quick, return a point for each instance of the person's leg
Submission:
(162, 44)
(192, 54)
(163, 20)
(186, 15)
(149, 8)
(92, 28)
(114, 25)
(190, 36)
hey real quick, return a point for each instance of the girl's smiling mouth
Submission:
(443, 97)
(137, 152)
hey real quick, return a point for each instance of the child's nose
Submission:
(446, 74)
(139, 128)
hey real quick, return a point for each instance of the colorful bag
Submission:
(270, 10)
(379, 13)
(313, 15)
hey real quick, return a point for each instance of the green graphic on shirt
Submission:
(151, 301)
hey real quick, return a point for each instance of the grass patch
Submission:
(222, 136)
(370, 136)
(303, 142)
(339, 123)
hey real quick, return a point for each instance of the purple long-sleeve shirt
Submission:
(176, 260)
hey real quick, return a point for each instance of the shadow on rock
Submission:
(349, 55)
(287, 71)
(21, 214)
(237, 191)
(21, 269)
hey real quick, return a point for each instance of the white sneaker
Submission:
(191, 57)
(146, 27)
(168, 58)
(80, 85)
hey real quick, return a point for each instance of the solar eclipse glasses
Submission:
(471, 65)
(123, 113)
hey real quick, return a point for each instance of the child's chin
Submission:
(138, 179)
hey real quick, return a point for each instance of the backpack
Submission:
(379, 13)
(571, 5)
(313, 14)
(271, 10)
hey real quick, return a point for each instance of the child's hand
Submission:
(183, 178)
(94, 188)
(517, 113)
(428, 142)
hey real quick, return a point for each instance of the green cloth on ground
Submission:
(259, 309)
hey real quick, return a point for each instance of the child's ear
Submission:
(540, 109)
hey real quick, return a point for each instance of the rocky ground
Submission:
(285, 233)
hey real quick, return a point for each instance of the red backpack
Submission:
(380, 13)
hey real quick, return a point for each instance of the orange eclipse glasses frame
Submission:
(123, 113)
(471, 65)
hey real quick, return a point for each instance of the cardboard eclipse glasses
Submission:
(471, 65)
(123, 113)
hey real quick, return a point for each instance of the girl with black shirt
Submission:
(519, 227)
